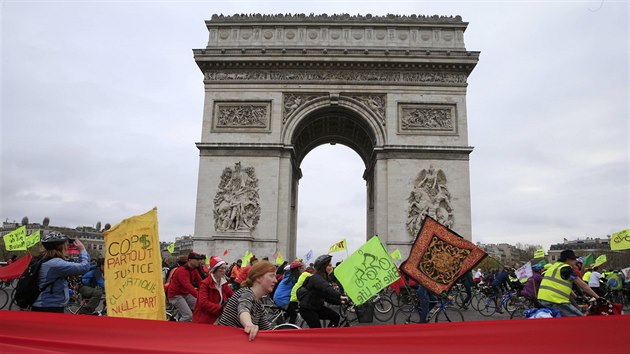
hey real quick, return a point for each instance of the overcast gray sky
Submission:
(102, 104)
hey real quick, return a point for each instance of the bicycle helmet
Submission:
(53, 239)
(537, 267)
(322, 261)
(580, 260)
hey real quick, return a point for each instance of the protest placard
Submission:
(133, 271)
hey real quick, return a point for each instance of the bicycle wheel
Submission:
(510, 305)
(486, 306)
(404, 316)
(383, 309)
(286, 326)
(449, 314)
(348, 313)
(5, 297)
(474, 301)
(72, 308)
(171, 316)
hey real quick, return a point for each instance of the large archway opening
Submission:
(333, 149)
(332, 201)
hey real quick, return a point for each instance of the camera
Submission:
(71, 240)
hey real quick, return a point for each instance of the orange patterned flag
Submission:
(439, 257)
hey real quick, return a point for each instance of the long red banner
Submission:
(30, 332)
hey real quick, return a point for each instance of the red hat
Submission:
(215, 262)
(295, 264)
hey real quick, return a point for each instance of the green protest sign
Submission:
(16, 239)
(32, 239)
(367, 271)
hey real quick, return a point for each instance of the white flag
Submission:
(525, 271)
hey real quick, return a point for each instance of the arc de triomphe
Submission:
(392, 88)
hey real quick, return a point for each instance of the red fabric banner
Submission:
(15, 269)
(31, 332)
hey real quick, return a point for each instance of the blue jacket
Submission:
(53, 280)
(93, 278)
(283, 292)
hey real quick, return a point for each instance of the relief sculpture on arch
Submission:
(237, 203)
(430, 196)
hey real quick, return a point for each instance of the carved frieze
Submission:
(427, 119)
(294, 101)
(237, 203)
(238, 116)
(375, 76)
(375, 103)
(430, 196)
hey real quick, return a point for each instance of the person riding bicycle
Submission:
(214, 293)
(555, 288)
(245, 309)
(315, 291)
(92, 287)
(182, 290)
(500, 284)
(530, 289)
(282, 295)
(54, 272)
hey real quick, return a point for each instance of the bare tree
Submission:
(25, 220)
(46, 222)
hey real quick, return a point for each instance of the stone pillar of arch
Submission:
(391, 88)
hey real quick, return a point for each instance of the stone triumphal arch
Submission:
(391, 88)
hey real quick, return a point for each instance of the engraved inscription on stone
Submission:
(235, 115)
(429, 196)
(294, 101)
(237, 203)
(426, 118)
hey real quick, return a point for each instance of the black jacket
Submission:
(318, 291)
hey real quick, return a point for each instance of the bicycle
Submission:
(278, 316)
(172, 314)
(440, 312)
(4, 298)
(487, 306)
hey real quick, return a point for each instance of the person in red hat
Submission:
(182, 291)
(214, 292)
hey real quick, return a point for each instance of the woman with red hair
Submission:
(244, 309)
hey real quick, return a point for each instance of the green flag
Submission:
(600, 260)
(32, 239)
(171, 248)
(16, 239)
(588, 260)
(367, 271)
(245, 259)
(396, 254)
(539, 253)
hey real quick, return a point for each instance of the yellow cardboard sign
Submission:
(133, 269)
(16, 239)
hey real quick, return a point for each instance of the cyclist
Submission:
(245, 309)
(54, 273)
(555, 288)
(182, 290)
(315, 291)
(92, 287)
(282, 296)
(501, 283)
(214, 293)
(530, 289)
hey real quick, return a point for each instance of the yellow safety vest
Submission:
(587, 276)
(553, 288)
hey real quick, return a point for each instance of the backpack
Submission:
(27, 289)
(302, 291)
